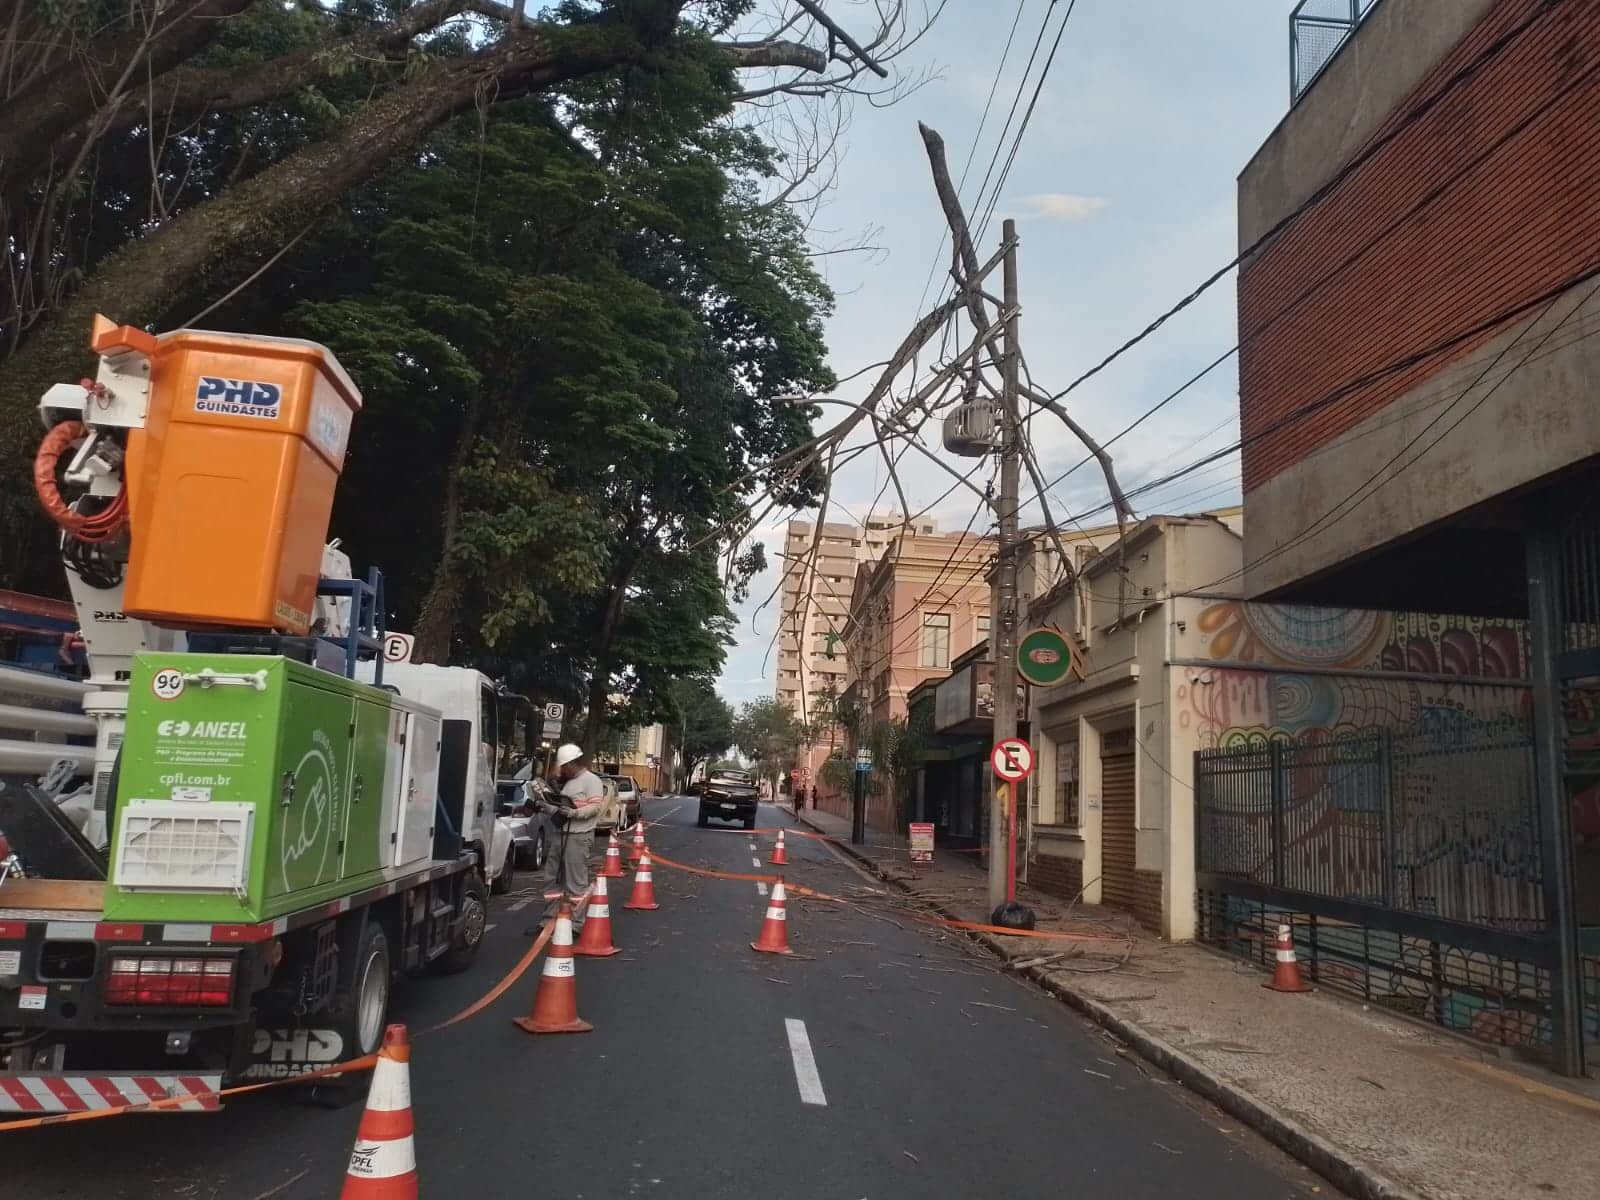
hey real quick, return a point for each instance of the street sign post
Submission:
(858, 797)
(1044, 657)
(1012, 759)
(397, 647)
(553, 716)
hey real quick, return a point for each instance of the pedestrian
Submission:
(577, 811)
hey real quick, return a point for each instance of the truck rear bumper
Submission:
(37, 1093)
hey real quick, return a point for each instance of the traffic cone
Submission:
(595, 940)
(643, 895)
(612, 867)
(1286, 976)
(774, 937)
(555, 1004)
(637, 850)
(780, 857)
(383, 1164)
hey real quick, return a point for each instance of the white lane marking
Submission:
(519, 905)
(754, 861)
(752, 847)
(761, 887)
(805, 1066)
(488, 927)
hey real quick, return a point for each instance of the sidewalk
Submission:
(1383, 1107)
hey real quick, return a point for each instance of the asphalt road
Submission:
(938, 1076)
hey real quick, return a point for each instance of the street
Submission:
(928, 1075)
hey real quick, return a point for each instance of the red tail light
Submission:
(161, 982)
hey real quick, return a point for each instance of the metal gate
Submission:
(1117, 841)
(1576, 645)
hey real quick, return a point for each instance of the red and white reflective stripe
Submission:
(1285, 944)
(777, 912)
(599, 910)
(85, 1093)
(560, 968)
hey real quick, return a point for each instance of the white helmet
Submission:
(568, 753)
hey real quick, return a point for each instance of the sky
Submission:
(1124, 193)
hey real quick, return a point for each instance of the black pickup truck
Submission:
(729, 796)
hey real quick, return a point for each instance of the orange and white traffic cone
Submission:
(643, 895)
(774, 937)
(595, 940)
(555, 1004)
(636, 850)
(383, 1164)
(612, 867)
(780, 856)
(1286, 975)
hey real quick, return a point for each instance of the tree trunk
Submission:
(629, 550)
(600, 680)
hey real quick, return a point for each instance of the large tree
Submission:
(701, 724)
(150, 147)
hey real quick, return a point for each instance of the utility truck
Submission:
(271, 829)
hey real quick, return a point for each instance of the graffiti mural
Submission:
(1235, 705)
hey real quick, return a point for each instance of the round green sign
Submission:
(1044, 657)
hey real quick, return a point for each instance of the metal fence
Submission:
(1407, 865)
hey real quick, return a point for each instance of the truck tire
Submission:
(750, 821)
(359, 1014)
(469, 928)
(703, 818)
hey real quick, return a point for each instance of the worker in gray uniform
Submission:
(581, 800)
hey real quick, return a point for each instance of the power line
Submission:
(1482, 59)
(1354, 499)
(1016, 144)
(1281, 313)
(1395, 366)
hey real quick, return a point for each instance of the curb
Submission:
(1334, 1164)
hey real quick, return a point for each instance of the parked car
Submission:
(524, 845)
(730, 795)
(628, 793)
(614, 815)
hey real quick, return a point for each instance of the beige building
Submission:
(1176, 663)
(815, 602)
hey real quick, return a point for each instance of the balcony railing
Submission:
(1317, 28)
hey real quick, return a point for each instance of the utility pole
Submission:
(1003, 599)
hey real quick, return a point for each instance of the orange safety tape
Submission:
(947, 922)
(838, 841)
(351, 1067)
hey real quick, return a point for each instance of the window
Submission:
(1067, 784)
(935, 639)
(981, 628)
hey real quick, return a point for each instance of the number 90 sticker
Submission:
(167, 683)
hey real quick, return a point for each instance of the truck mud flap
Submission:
(38, 1093)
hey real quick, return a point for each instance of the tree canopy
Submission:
(565, 269)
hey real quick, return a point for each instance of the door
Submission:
(1116, 820)
(367, 845)
(419, 780)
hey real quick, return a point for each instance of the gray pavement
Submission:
(942, 1078)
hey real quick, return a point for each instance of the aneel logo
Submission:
(237, 397)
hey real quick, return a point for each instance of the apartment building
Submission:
(815, 602)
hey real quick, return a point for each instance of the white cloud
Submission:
(1066, 207)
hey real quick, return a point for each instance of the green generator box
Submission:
(253, 786)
